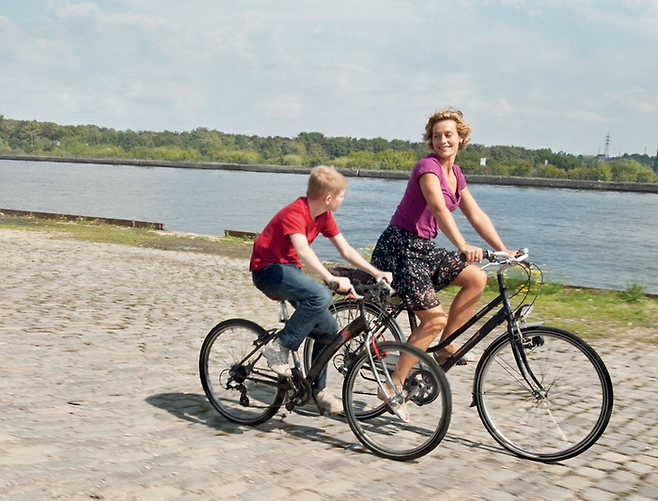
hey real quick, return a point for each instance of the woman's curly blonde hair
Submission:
(463, 129)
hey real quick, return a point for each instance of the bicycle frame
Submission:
(504, 314)
(355, 327)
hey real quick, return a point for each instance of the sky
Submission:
(558, 74)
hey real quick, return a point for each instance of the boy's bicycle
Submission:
(542, 393)
(239, 384)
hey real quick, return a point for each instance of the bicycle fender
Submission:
(529, 325)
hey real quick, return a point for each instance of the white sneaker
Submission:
(328, 404)
(278, 358)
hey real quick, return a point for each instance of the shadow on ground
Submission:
(195, 408)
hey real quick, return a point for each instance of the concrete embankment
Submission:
(380, 174)
(130, 223)
(533, 182)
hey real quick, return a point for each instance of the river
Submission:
(582, 238)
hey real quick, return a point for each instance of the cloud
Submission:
(627, 14)
(364, 69)
(89, 16)
(635, 99)
(17, 47)
(284, 106)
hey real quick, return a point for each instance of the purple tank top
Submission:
(413, 214)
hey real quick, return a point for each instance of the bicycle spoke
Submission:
(251, 396)
(426, 394)
(512, 369)
(557, 421)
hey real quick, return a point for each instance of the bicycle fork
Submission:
(374, 356)
(518, 350)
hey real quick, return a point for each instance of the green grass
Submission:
(138, 237)
(591, 313)
(596, 313)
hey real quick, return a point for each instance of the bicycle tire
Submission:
(344, 311)
(566, 421)
(428, 400)
(253, 396)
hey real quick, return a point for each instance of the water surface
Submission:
(585, 238)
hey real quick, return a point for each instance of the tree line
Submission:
(21, 137)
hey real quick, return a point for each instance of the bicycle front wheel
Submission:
(427, 397)
(563, 419)
(235, 375)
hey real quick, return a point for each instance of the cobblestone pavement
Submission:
(100, 398)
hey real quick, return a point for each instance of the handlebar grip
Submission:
(487, 254)
(493, 256)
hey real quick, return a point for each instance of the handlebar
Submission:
(360, 291)
(504, 257)
(501, 257)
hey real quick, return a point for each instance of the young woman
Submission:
(406, 248)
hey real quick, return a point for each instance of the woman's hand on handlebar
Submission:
(511, 253)
(472, 253)
(384, 275)
(506, 255)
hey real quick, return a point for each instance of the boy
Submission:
(276, 266)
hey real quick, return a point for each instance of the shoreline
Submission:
(199, 242)
(529, 182)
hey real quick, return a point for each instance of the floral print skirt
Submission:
(419, 267)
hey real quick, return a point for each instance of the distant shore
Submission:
(380, 174)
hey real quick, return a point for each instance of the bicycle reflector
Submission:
(523, 311)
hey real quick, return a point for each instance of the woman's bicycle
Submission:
(239, 384)
(542, 393)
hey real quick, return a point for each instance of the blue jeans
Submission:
(311, 301)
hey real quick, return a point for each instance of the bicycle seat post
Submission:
(284, 317)
(283, 313)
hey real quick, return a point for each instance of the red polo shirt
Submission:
(274, 246)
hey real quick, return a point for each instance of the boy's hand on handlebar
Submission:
(344, 284)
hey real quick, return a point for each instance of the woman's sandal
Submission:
(442, 358)
(397, 409)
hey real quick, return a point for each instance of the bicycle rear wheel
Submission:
(570, 415)
(234, 374)
(427, 395)
(344, 311)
